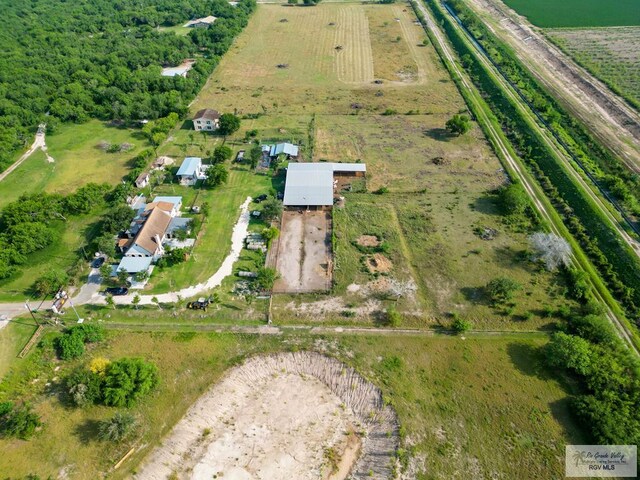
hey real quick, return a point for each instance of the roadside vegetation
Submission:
(587, 346)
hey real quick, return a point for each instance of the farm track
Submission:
(571, 164)
(608, 117)
(515, 166)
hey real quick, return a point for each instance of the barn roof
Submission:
(311, 184)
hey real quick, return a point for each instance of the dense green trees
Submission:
(33, 222)
(71, 343)
(71, 61)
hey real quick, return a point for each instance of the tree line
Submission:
(76, 60)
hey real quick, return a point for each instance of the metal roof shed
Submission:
(309, 184)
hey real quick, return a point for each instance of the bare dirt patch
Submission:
(304, 252)
(368, 241)
(275, 417)
(378, 263)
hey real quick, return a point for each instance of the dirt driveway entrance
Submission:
(304, 259)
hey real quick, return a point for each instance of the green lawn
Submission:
(78, 161)
(214, 240)
(471, 408)
(578, 13)
(13, 338)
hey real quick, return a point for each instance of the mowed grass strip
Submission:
(392, 59)
(486, 403)
(578, 13)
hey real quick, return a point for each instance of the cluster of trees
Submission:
(119, 383)
(33, 222)
(607, 374)
(71, 343)
(102, 59)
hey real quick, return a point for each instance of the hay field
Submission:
(319, 78)
(611, 54)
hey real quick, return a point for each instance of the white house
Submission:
(143, 180)
(207, 120)
(191, 171)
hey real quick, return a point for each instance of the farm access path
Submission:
(608, 117)
(38, 143)
(517, 170)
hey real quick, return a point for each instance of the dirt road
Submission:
(39, 142)
(607, 116)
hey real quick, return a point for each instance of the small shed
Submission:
(143, 180)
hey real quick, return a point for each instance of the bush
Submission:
(128, 379)
(460, 325)
(117, 428)
(393, 317)
(458, 124)
(70, 345)
(18, 421)
(84, 387)
(502, 289)
(569, 352)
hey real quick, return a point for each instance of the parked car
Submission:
(98, 262)
(200, 304)
(116, 291)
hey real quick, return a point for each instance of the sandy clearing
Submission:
(273, 417)
(304, 252)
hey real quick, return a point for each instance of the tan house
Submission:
(207, 120)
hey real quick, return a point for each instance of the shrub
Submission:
(569, 352)
(128, 379)
(381, 190)
(117, 428)
(460, 325)
(502, 289)
(18, 421)
(393, 317)
(70, 345)
(458, 124)
(84, 387)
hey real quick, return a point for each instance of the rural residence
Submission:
(203, 22)
(191, 171)
(206, 119)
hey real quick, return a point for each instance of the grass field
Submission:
(578, 13)
(78, 161)
(611, 54)
(478, 407)
(320, 79)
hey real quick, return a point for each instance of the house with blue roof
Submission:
(191, 171)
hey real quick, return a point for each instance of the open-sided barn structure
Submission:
(312, 185)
